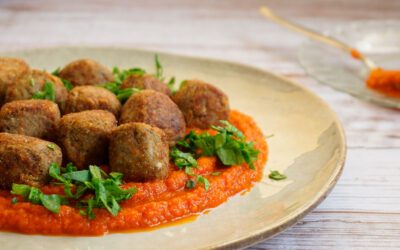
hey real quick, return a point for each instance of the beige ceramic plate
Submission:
(308, 146)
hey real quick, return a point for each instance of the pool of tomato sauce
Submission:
(156, 203)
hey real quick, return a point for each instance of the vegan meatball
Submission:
(202, 104)
(86, 72)
(144, 81)
(36, 82)
(12, 71)
(139, 152)
(84, 136)
(26, 160)
(90, 97)
(156, 109)
(37, 118)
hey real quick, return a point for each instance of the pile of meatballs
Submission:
(90, 126)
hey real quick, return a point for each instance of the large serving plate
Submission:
(308, 146)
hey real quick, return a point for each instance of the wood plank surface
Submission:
(363, 210)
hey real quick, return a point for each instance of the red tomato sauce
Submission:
(385, 81)
(155, 203)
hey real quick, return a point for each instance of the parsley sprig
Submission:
(228, 145)
(104, 188)
(46, 93)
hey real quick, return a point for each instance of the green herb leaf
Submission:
(216, 173)
(56, 72)
(204, 181)
(14, 200)
(182, 83)
(47, 93)
(190, 184)
(54, 172)
(199, 179)
(182, 159)
(21, 189)
(51, 202)
(117, 178)
(34, 195)
(51, 146)
(275, 175)
(107, 192)
(81, 176)
(67, 84)
(159, 68)
(171, 83)
(228, 145)
(32, 82)
(229, 129)
(124, 94)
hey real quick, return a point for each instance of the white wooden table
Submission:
(363, 210)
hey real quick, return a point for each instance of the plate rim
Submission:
(279, 227)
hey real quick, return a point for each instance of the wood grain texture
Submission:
(363, 210)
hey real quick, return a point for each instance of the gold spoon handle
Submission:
(266, 12)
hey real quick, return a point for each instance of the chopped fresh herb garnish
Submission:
(181, 159)
(228, 145)
(46, 93)
(216, 173)
(183, 83)
(67, 84)
(51, 146)
(119, 77)
(269, 136)
(199, 179)
(159, 74)
(124, 94)
(32, 82)
(106, 189)
(171, 84)
(190, 184)
(51, 202)
(56, 72)
(159, 68)
(275, 175)
(14, 200)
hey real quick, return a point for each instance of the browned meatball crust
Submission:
(36, 82)
(145, 81)
(91, 97)
(86, 72)
(202, 104)
(139, 151)
(12, 71)
(84, 136)
(156, 109)
(26, 160)
(36, 118)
